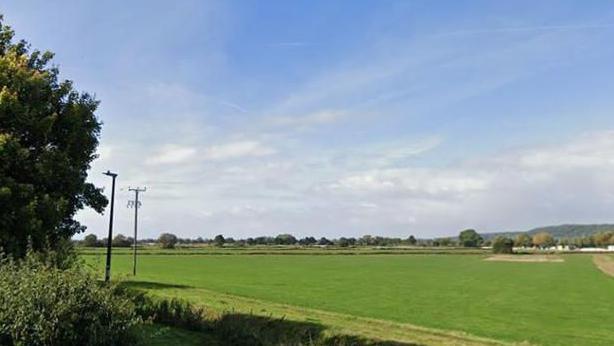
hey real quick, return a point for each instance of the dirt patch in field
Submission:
(605, 263)
(525, 258)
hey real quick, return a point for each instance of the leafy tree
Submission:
(543, 240)
(285, 239)
(366, 240)
(445, 242)
(90, 240)
(343, 242)
(324, 241)
(167, 240)
(219, 240)
(470, 238)
(308, 241)
(412, 240)
(48, 138)
(523, 240)
(503, 245)
(603, 238)
(121, 240)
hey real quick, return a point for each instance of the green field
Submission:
(542, 303)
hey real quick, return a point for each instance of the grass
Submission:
(159, 335)
(388, 295)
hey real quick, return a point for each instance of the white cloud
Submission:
(413, 182)
(172, 154)
(236, 150)
(314, 194)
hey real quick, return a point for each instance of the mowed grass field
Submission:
(570, 303)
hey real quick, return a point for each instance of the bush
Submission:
(503, 245)
(167, 240)
(43, 305)
(172, 312)
(470, 238)
(91, 240)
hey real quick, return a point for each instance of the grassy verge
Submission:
(281, 320)
(161, 335)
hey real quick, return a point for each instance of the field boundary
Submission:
(525, 258)
(281, 251)
(604, 263)
(335, 323)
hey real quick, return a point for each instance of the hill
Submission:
(560, 231)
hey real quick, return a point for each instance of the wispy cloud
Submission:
(236, 150)
(171, 154)
(534, 28)
(306, 121)
(234, 106)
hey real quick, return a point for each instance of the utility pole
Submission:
(107, 272)
(136, 204)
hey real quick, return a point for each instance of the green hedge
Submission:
(43, 305)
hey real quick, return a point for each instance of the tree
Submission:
(324, 241)
(523, 240)
(48, 138)
(445, 242)
(219, 240)
(503, 245)
(470, 238)
(285, 239)
(543, 240)
(121, 240)
(412, 240)
(90, 240)
(167, 240)
(308, 241)
(603, 238)
(343, 242)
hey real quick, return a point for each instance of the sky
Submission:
(342, 118)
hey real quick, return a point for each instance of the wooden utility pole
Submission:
(107, 271)
(136, 204)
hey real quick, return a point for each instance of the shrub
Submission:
(503, 245)
(121, 240)
(91, 240)
(43, 305)
(470, 238)
(173, 312)
(167, 240)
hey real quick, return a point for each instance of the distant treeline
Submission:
(466, 238)
(470, 239)
(560, 232)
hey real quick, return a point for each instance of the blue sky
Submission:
(343, 118)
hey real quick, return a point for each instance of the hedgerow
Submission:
(41, 304)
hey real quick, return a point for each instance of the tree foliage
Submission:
(470, 238)
(91, 240)
(523, 240)
(48, 138)
(121, 240)
(43, 305)
(503, 245)
(219, 240)
(285, 239)
(167, 240)
(543, 239)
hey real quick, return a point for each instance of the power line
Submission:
(136, 204)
